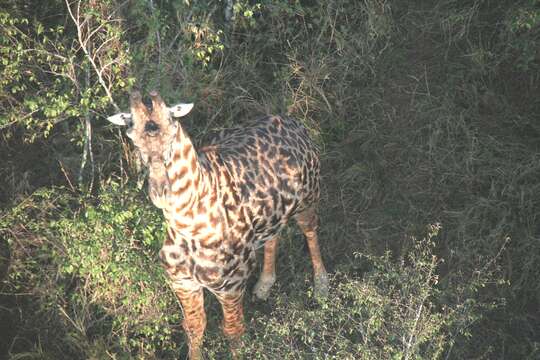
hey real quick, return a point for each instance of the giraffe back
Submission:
(275, 169)
(256, 178)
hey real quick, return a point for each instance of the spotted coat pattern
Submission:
(224, 200)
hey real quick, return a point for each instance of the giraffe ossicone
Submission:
(224, 200)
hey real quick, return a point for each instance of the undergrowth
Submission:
(90, 265)
(427, 116)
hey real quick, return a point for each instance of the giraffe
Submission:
(223, 201)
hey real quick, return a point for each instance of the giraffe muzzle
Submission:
(159, 194)
(158, 184)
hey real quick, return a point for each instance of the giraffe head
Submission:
(152, 132)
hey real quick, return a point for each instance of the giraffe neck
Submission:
(186, 176)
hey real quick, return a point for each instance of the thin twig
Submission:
(83, 42)
(18, 120)
(66, 176)
(158, 38)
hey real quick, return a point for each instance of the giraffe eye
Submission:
(151, 127)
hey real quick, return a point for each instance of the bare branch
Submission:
(83, 42)
(105, 43)
(158, 38)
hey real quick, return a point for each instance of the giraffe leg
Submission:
(194, 318)
(268, 275)
(308, 221)
(233, 319)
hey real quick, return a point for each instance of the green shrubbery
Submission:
(392, 311)
(427, 113)
(91, 265)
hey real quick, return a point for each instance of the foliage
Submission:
(390, 312)
(52, 72)
(101, 280)
(427, 113)
(523, 33)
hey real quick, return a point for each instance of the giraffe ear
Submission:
(122, 119)
(180, 110)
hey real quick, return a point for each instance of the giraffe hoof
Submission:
(235, 347)
(321, 285)
(262, 288)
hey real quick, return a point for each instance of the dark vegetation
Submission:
(428, 116)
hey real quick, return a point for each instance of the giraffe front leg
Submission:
(233, 319)
(268, 274)
(194, 321)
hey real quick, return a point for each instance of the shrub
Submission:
(91, 268)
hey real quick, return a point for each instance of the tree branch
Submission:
(83, 42)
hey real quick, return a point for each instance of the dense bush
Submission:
(91, 266)
(427, 113)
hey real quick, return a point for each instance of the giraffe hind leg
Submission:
(268, 274)
(308, 221)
